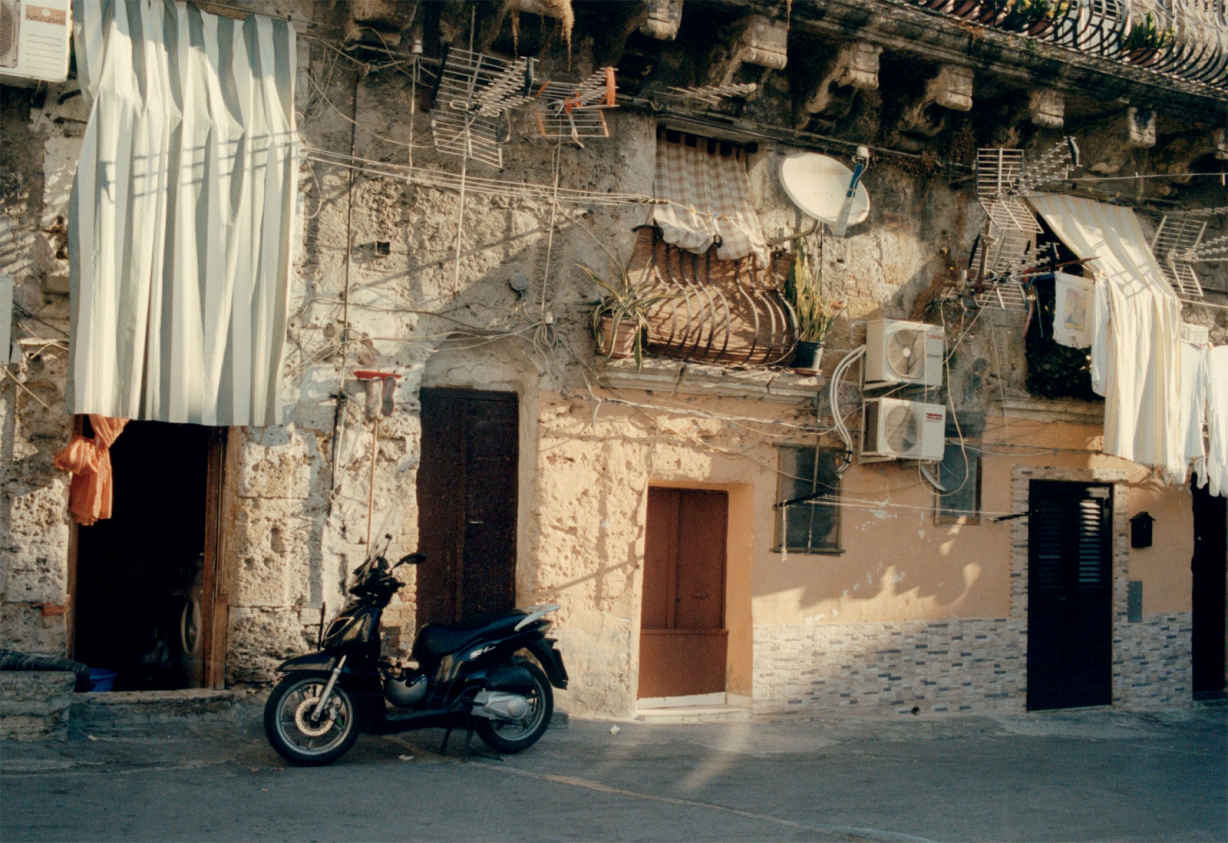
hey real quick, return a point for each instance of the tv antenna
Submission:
(825, 189)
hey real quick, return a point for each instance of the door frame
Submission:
(217, 575)
(1020, 550)
(740, 544)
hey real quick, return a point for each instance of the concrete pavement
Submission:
(1094, 774)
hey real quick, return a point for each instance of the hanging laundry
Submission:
(1215, 470)
(1194, 361)
(1135, 359)
(1073, 311)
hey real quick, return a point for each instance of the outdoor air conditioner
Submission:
(893, 429)
(903, 353)
(34, 40)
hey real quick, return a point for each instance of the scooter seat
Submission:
(436, 639)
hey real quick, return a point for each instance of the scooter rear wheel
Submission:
(510, 737)
(296, 735)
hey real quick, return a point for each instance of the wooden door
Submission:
(1069, 595)
(682, 629)
(467, 504)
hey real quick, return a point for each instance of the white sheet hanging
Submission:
(182, 213)
(1215, 471)
(1136, 360)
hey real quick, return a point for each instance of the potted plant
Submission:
(1034, 17)
(619, 320)
(815, 313)
(1142, 44)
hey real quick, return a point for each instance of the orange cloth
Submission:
(89, 460)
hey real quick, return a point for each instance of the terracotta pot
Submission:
(1040, 28)
(615, 342)
(806, 357)
(1143, 57)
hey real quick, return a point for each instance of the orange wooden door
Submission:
(682, 629)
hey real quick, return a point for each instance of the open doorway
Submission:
(141, 577)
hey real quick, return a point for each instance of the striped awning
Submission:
(182, 213)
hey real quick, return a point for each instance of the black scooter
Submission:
(474, 674)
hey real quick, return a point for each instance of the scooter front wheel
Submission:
(294, 731)
(517, 736)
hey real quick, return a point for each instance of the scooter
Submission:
(474, 674)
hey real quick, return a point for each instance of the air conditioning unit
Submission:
(893, 429)
(34, 40)
(903, 353)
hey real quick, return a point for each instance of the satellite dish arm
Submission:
(860, 163)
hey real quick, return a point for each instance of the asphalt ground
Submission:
(1095, 774)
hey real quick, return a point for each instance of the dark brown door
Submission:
(1209, 563)
(1069, 594)
(467, 504)
(682, 630)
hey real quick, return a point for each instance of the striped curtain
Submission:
(706, 194)
(182, 213)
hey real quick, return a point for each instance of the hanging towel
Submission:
(1215, 471)
(1073, 313)
(88, 459)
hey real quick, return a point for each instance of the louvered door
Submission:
(1070, 587)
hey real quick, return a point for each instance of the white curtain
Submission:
(182, 213)
(1136, 362)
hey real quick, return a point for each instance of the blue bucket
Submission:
(101, 679)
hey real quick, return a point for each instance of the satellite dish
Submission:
(825, 189)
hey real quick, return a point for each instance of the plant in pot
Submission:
(619, 320)
(815, 312)
(1144, 41)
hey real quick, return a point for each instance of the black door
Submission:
(1069, 594)
(1208, 564)
(466, 504)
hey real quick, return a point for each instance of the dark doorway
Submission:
(467, 504)
(1208, 567)
(682, 629)
(1070, 594)
(140, 575)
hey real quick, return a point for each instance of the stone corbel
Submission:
(1047, 108)
(758, 40)
(951, 89)
(1220, 138)
(1140, 127)
(1109, 149)
(664, 18)
(854, 68)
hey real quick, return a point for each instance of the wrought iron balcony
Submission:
(1185, 38)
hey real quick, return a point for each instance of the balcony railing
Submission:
(1185, 38)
